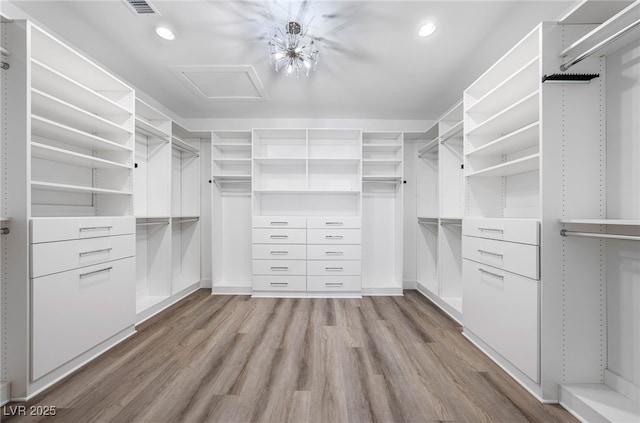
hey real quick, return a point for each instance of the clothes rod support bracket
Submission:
(5, 231)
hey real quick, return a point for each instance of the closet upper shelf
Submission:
(618, 222)
(145, 128)
(184, 146)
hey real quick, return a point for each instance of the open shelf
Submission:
(598, 402)
(51, 186)
(226, 161)
(381, 178)
(513, 167)
(333, 161)
(618, 222)
(43, 104)
(231, 177)
(46, 152)
(146, 128)
(515, 141)
(232, 147)
(306, 191)
(63, 87)
(431, 146)
(519, 114)
(452, 132)
(280, 161)
(46, 128)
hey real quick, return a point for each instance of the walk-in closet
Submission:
(320, 211)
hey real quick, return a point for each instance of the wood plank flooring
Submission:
(241, 359)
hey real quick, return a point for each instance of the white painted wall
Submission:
(623, 201)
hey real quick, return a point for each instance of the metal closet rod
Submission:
(601, 44)
(162, 222)
(565, 232)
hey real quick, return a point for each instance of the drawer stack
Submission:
(300, 256)
(501, 291)
(83, 286)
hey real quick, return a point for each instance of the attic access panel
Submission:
(222, 82)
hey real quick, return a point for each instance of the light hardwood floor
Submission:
(240, 359)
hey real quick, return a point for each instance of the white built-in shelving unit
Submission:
(152, 200)
(439, 211)
(382, 212)
(231, 212)
(307, 205)
(71, 202)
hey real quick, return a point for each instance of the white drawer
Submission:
(333, 236)
(54, 257)
(333, 252)
(279, 236)
(511, 256)
(76, 310)
(279, 252)
(279, 283)
(64, 228)
(502, 309)
(334, 283)
(279, 267)
(333, 222)
(334, 267)
(279, 222)
(515, 230)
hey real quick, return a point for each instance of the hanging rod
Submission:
(601, 44)
(4, 51)
(163, 222)
(427, 222)
(232, 181)
(187, 220)
(451, 224)
(565, 232)
(390, 181)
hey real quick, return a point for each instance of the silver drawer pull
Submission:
(279, 283)
(334, 223)
(334, 237)
(333, 283)
(279, 253)
(279, 268)
(490, 253)
(492, 274)
(491, 229)
(84, 253)
(279, 223)
(95, 228)
(334, 269)
(334, 253)
(95, 272)
(279, 236)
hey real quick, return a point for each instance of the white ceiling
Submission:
(372, 64)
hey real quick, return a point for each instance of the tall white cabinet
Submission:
(70, 285)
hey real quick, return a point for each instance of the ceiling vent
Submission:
(141, 7)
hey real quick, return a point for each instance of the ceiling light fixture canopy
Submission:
(293, 50)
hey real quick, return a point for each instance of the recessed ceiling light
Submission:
(166, 33)
(427, 29)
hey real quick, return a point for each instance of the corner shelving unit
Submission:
(382, 212)
(152, 200)
(231, 212)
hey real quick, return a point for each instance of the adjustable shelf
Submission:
(145, 128)
(51, 186)
(182, 145)
(430, 147)
(451, 133)
(518, 140)
(513, 167)
(517, 115)
(227, 161)
(151, 122)
(45, 128)
(45, 152)
(616, 222)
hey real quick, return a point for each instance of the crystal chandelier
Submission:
(293, 50)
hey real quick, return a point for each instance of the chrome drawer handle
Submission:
(279, 253)
(84, 253)
(279, 223)
(279, 283)
(334, 269)
(279, 236)
(95, 228)
(490, 253)
(492, 274)
(334, 237)
(333, 283)
(106, 269)
(491, 229)
(280, 268)
(334, 223)
(334, 253)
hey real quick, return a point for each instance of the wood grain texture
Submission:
(240, 359)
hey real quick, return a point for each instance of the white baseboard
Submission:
(410, 285)
(5, 392)
(231, 290)
(622, 386)
(450, 311)
(205, 283)
(386, 292)
(152, 311)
